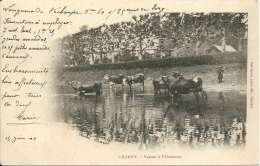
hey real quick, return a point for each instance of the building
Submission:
(218, 49)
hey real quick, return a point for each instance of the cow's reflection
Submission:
(151, 122)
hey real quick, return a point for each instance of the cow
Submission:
(115, 79)
(83, 89)
(181, 85)
(160, 84)
(137, 78)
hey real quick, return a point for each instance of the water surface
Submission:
(153, 121)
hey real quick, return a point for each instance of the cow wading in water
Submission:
(137, 78)
(115, 79)
(180, 86)
(84, 89)
(160, 84)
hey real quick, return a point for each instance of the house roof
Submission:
(228, 48)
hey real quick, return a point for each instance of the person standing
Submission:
(220, 72)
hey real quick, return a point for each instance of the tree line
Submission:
(131, 39)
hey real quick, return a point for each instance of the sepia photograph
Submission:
(157, 80)
(120, 82)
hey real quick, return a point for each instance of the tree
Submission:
(68, 51)
(186, 30)
(83, 28)
(142, 28)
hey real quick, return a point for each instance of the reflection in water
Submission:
(148, 121)
(222, 100)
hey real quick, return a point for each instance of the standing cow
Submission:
(115, 79)
(137, 78)
(83, 89)
(186, 86)
(160, 84)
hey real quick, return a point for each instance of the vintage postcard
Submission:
(129, 82)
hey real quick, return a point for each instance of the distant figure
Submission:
(220, 72)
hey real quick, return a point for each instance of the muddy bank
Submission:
(234, 75)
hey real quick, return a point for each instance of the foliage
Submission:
(134, 37)
(166, 62)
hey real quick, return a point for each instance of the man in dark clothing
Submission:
(220, 72)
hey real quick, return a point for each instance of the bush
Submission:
(166, 62)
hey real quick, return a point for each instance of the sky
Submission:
(94, 20)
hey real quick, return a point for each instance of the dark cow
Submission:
(83, 89)
(185, 86)
(137, 78)
(160, 84)
(114, 79)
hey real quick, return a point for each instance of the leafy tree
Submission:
(125, 38)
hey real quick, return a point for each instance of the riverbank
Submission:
(235, 75)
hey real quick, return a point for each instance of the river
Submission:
(151, 121)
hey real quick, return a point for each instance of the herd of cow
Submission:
(172, 85)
